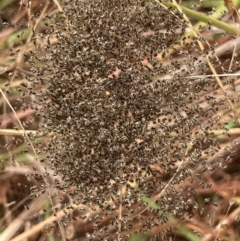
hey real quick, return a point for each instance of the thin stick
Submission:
(159, 195)
(120, 212)
(37, 158)
(10, 231)
(233, 11)
(10, 132)
(223, 222)
(227, 221)
(207, 57)
(58, 5)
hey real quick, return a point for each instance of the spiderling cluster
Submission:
(116, 121)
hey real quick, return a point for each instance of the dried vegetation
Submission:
(120, 122)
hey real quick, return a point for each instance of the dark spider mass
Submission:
(115, 120)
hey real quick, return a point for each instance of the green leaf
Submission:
(150, 202)
(188, 234)
(140, 237)
(5, 3)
